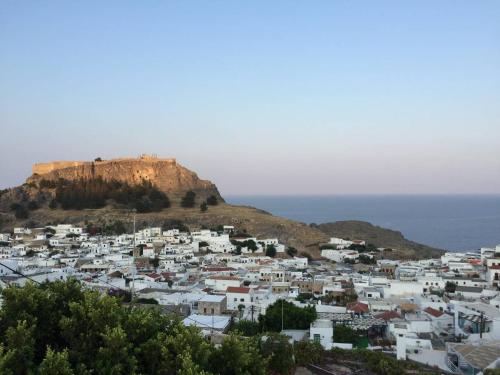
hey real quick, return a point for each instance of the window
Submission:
(317, 338)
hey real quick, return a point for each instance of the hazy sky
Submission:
(276, 97)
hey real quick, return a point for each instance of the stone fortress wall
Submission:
(166, 174)
(45, 168)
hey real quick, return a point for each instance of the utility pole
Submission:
(252, 309)
(132, 290)
(282, 315)
(481, 326)
(212, 328)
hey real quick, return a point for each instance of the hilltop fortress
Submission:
(168, 175)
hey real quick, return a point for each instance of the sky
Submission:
(260, 97)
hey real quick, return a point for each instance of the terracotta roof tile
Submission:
(435, 313)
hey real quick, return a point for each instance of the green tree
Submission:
(212, 200)
(204, 207)
(85, 327)
(115, 357)
(308, 352)
(180, 341)
(188, 367)
(155, 262)
(294, 317)
(270, 251)
(55, 363)
(18, 356)
(365, 259)
(344, 334)
(63, 328)
(189, 199)
(303, 297)
(246, 327)
(278, 351)
(450, 287)
(117, 227)
(238, 356)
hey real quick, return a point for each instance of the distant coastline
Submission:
(451, 222)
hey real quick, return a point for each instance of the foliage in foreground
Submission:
(61, 328)
(379, 363)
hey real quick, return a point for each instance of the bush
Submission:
(344, 334)
(308, 352)
(33, 205)
(53, 204)
(116, 227)
(365, 259)
(204, 207)
(174, 224)
(212, 200)
(22, 213)
(292, 251)
(15, 206)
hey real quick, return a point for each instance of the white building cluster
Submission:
(433, 311)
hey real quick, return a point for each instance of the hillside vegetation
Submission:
(307, 239)
(95, 193)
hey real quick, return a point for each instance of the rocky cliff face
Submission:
(168, 175)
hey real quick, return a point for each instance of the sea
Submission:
(450, 222)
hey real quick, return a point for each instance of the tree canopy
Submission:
(294, 317)
(212, 200)
(189, 199)
(63, 328)
(96, 192)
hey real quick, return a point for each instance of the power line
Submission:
(21, 274)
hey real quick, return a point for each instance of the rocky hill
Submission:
(166, 174)
(378, 236)
(174, 180)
